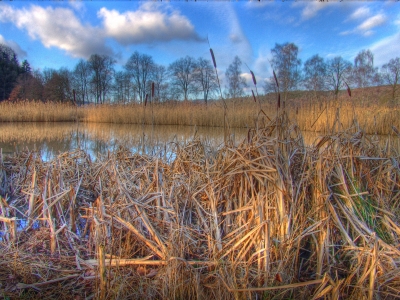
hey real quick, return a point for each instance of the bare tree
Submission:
(363, 71)
(206, 80)
(390, 74)
(182, 73)
(338, 70)
(236, 83)
(140, 68)
(315, 71)
(102, 67)
(57, 85)
(159, 78)
(286, 65)
(124, 90)
(81, 80)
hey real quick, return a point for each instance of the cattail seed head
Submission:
(254, 77)
(213, 58)
(348, 89)
(279, 101)
(152, 89)
(276, 79)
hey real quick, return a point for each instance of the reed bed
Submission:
(38, 111)
(270, 218)
(369, 110)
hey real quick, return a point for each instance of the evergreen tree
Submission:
(9, 71)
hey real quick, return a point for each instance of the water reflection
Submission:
(53, 138)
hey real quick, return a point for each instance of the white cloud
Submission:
(254, 4)
(372, 22)
(311, 9)
(361, 12)
(262, 67)
(229, 40)
(77, 5)
(347, 32)
(13, 45)
(249, 79)
(146, 25)
(57, 27)
(365, 27)
(386, 49)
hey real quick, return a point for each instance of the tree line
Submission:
(95, 80)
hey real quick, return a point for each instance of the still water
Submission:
(99, 138)
(54, 138)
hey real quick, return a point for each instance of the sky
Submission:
(55, 34)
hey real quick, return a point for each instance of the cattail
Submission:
(254, 96)
(213, 58)
(145, 101)
(215, 67)
(276, 79)
(254, 77)
(152, 89)
(348, 89)
(212, 55)
(279, 101)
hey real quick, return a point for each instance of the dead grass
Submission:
(369, 109)
(270, 218)
(37, 111)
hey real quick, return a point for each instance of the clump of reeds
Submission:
(38, 111)
(269, 218)
(310, 114)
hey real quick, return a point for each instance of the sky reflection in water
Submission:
(54, 138)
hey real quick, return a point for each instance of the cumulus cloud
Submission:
(57, 27)
(13, 45)
(77, 5)
(146, 25)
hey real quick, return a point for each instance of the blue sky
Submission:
(57, 34)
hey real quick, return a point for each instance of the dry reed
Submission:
(370, 110)
(270, 218)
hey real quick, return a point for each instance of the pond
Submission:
(99, 138)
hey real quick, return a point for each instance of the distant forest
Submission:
(96, 81)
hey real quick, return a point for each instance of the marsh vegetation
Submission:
(270, 217)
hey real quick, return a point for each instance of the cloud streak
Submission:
(365, 28)
(361, 12)
(311, 9)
